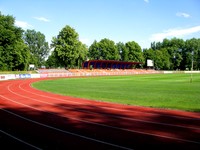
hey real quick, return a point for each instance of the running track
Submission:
(32, 119)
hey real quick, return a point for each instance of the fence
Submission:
(82, 72)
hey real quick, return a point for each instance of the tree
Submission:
(148, 54)
(161, 58)
(104, 50)
(192, 53)
(38, 46)
(94, 51)
(122, 51)
(14, 54)
(108, 50)
(134, 52)
(52, 61)
(21, 56)
(68, 50)
(83, 53)
(198, 55)
(173, 49)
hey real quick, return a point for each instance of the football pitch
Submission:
(169, 91)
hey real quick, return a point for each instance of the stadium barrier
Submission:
(167, 72)
(83, 72)
(191, 71)
(7, 76)
(18, 76)
(35, 75)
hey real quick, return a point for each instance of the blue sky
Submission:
(142, 21)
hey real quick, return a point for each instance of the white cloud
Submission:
(182, 14)
(147, 1)
(23, 24)
(174, 33)
(42, 19)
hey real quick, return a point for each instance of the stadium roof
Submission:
(109, 64)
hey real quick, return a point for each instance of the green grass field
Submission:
(170, 91)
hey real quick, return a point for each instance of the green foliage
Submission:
(175, 54)
(83, 52)
(14, 54)
(17, 50)
(192, 52)
(122, 51)
(108, 50)
(21, 56)
(94, 51)
(134, 52)
(104, 50)
(161, 59)
(52, 62)
(68, 50)
(38, 46)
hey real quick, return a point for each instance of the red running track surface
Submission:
(33, 119)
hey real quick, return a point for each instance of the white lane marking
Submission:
(115, 116)
(134, 131)
(66, 132)
(108, 108)
(26, 143)
(127, 118)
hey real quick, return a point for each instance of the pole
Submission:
(191, 68)
(191, 76)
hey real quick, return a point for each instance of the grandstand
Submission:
(93, 72)
(108, 64)
(99, 68)
(42, 71)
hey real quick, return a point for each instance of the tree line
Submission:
(19, 48)
(175, 54)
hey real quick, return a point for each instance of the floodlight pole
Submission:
(191, 68)
(174, 62)
(120, 51)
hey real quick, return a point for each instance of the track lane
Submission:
(10, 139)
(26, 86)
(113, 116)
(132, 114)
(15, 105)
(54, 122)
(23, 96)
